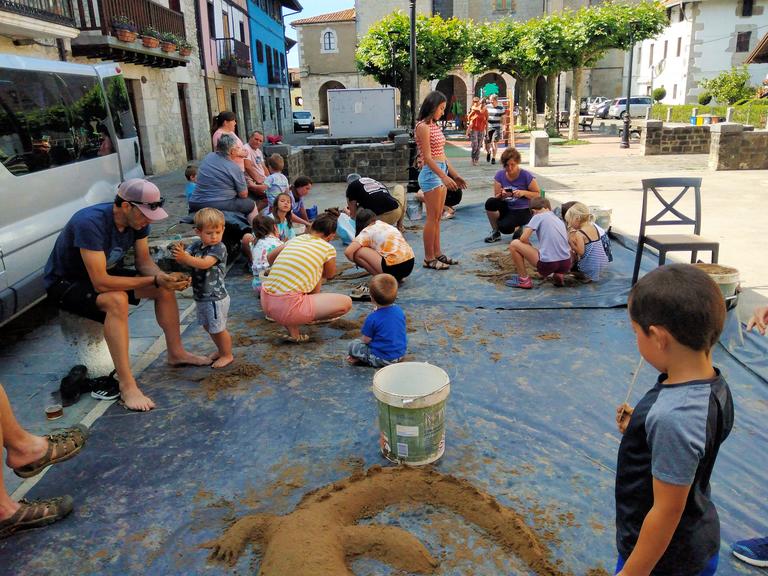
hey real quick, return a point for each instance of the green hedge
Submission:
(754, 112)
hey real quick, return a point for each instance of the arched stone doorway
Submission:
(491, 78)
(541, 94)
(455, 90)
(323, 97)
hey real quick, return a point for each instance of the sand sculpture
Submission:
(321, 534)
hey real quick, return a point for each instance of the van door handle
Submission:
(135, 151)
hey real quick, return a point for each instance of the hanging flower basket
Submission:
(126, 35)
(186, 51)
(168, 46)
(150, 37)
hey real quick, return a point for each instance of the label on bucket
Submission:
(409, 431)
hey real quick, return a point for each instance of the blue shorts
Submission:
(428, 180)
(212, 315)
(709, 570)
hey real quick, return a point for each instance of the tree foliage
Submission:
(659, 94)
(729, 86)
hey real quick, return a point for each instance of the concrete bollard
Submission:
(539, 149)
(669, 115)
(648, 113)
(729, 114)
(695, 111)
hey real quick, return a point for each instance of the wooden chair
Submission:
(669, 192)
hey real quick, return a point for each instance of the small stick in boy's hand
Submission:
(625, 408)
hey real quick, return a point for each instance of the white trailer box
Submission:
(360, 112)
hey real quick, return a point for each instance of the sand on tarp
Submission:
(325, 522)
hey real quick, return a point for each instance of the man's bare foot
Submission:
(222, 361)
(134, 399)
(188, 359)
(353, 361)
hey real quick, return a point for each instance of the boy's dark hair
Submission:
(383, 289)
(301, 181)
(538, 203)
(325, 224)
(363, 218)
(289, 215)
(262, 226)
(682, 299)
(190, 171)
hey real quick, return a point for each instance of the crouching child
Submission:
(384, 340)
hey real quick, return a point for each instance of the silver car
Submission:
(638, 106)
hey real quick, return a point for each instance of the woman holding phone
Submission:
(509, 209)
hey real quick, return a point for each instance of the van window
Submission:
(49, 120)
(120, 107)
(641, 101)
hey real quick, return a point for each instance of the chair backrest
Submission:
(667, 194)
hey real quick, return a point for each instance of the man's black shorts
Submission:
(80, 297)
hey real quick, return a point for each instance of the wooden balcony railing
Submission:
(56, 11)
(233, 57)
(98, 15)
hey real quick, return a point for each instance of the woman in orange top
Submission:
(436, 177)
(477, 124)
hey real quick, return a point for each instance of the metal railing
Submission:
(233, 57)
(56, 11)
(98, 15)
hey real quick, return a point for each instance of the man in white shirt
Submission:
(496, 113)
(256, 170)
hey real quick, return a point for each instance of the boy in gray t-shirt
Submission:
(208, 258)
(552, 258)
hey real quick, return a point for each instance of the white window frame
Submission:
(334, 36)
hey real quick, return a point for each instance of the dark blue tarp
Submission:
(530, 420)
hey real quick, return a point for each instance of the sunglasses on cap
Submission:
(150, 205)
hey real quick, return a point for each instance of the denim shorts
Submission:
(428, 180)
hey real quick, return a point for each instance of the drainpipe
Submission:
(203, 65)
(62, 49)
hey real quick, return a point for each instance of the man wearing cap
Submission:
(85, 276)
(368, 193)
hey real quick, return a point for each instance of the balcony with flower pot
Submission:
(37, 19)
(137, 31)
(234, 57)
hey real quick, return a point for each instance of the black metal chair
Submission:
(669, 192)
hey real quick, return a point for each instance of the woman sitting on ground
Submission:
(379, 248)
(290, 295)
(509, 209)
(587, 242)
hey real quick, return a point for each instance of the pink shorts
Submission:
(559, 267)
(292, 309)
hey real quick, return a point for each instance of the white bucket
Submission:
(411, 398)
(726, 277)
(414, 209)
(602, 216)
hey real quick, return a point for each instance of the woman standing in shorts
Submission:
(437, 176)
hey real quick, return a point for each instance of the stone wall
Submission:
(333, 162)
(657, 139)
(736, 148)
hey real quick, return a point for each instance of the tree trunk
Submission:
(551, 123)
(573, 126)
(530, 87)
(523, 101)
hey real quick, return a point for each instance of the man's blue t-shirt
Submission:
(386, 329)
(92, 228)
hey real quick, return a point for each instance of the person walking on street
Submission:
(496, 114)
(477, 124)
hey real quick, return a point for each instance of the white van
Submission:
(67, 140)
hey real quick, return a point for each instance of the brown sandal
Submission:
(35, 514)
(61, 446)
(446, 260)
(435, 264)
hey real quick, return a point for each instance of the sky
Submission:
(311, 8)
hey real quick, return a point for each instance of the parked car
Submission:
(67, 140)
(602, 110)
(597, 101)
(638, 106)
(586, 103)
(303, 121)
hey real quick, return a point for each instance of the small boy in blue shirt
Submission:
(384, 339)
(666, 522)
(191, 175)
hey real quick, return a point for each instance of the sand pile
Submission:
(324, 523)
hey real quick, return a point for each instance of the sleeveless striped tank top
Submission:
(436, 141)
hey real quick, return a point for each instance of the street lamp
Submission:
(413, 172)
(625, 133)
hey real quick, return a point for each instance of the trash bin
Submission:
(706, 119)
(693, 120)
